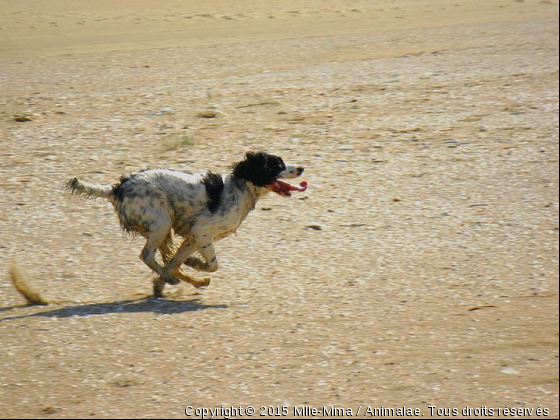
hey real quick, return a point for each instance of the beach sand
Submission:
(419, 269)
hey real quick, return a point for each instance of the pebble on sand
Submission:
(315, 226)
(208, 114)
(23, 117)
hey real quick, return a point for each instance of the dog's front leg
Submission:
(187, 248)
(209, 254)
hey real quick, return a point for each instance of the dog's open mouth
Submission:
(284, 189)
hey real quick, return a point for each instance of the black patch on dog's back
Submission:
(214, 187)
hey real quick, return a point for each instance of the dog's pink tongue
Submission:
(302, 187)
(287, 187)
(283, 188)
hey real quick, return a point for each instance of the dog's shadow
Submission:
(156, 306)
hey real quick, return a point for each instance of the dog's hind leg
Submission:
(157, 235)
(166, 250)
(159, 285)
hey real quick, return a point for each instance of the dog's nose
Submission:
(299, 170)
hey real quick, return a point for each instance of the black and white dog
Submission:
(201, 208)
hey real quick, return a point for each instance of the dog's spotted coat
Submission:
(201, 208)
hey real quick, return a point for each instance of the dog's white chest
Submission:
(227, 221)
(227, 224)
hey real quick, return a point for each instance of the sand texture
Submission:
(429, 134)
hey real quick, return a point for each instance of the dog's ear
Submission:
(256, 158)
(244, 168)
(240, 169)
(249, 169)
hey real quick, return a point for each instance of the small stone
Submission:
(207, 114)
(48, 410)
(23, 117)
(510, 371)
(315, 226)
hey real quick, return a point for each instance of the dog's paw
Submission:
(158, 289)
(172, 280)
(195, 263)
(203, 283)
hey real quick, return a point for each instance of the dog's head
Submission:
(265, 171)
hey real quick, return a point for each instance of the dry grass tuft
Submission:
(20, 282)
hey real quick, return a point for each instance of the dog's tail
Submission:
(78, 187)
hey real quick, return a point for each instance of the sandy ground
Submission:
(429, 133)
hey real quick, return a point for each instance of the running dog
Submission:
(200, 208)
